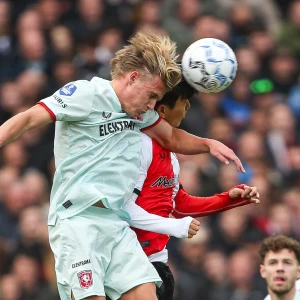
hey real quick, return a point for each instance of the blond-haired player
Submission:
(96, 147)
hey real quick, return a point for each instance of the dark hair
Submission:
(182, 90)
(277, 243)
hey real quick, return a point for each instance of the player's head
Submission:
(175, 103)
(147, 68)
(280, 264)
(148, 54)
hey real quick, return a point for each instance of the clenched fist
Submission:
(194, 227)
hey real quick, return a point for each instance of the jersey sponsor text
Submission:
(81, 263)
(163, 181)
(113, 127)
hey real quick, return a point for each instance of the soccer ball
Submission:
(209, 65)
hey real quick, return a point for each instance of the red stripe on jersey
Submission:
(154, 124)
(48, 110)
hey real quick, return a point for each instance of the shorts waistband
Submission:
(98, 211)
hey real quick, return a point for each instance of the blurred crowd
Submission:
(45, 44)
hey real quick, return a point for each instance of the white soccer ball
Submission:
(209, 65)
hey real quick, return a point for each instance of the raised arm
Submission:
(179, 141)
(32, 118)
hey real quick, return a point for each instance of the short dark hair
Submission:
(277, 243)
(181, 90)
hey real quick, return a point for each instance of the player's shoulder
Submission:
(146, 141)
(100, 83)
(149, 142)
(76, 88)
(146, 138)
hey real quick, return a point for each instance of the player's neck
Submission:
(119, 86)
(289, 296)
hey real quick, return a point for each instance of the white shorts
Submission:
(96, 253)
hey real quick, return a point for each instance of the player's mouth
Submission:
(279, 279)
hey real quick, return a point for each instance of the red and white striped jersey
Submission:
(160, 193)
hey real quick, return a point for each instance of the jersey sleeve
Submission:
(187, 205)
(73, 102)
(152, 120)
(140, 218)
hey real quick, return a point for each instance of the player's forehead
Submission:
(154, 84)
(181, 101)
(283, 254)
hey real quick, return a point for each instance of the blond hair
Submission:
(151, 54)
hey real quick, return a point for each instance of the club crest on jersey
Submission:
(85, 278)
(106, 116)
(162, 155)
(68, 90)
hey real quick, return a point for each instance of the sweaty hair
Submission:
(278, 243)
(182, 90)
(148, 53)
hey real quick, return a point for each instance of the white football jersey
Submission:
(96, 148)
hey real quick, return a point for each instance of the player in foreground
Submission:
(280, 266)
(159, 192)
(96, 148)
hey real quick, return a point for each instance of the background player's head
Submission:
(144, 70)
(175, 103)
(280, 264)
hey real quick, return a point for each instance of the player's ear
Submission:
(133, 76)
(161, 110)
(262, 271)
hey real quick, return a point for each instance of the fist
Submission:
(194, 227)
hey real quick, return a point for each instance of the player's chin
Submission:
(176, 124)
(280, 288)
(132, 114)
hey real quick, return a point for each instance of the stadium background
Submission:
(47, 43)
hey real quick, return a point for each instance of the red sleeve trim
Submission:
(48, 110)
(154, 124)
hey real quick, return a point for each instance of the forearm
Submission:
(12, 129)
(179, 141)
(22, 122)
(185, 143)
(187, 205)
(143, 220)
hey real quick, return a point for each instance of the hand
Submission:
(249, 192)
(223, 153)
(194, 227)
